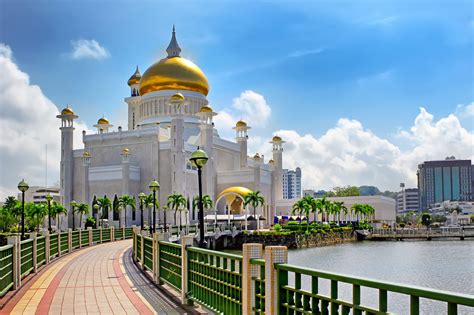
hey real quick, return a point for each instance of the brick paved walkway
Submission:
(90, 281)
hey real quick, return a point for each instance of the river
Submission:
(445, 265)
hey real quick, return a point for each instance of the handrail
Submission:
(170, 244)
(257, 261)
(215, 253)
(439, 295)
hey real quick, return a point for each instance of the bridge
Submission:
(427, 233)
(124, 270)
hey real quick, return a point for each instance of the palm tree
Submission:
(104, 205)
(206, 202)
(82, 208)
(148, 203)
(358, 209)
(300, 207)
(56, 210)
(124, 202)
(13, 206)
(255, 199)
(370, 211)
(337, 208)
(176, 202)
(36, 213)
(312, 206)
(327, 208)
(345, 211)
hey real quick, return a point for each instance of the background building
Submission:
(448, 179)
(37, 194)
(407, 199)
(291, 183)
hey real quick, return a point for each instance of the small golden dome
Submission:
(103, 121)
(67, 111)
(276, 139)
(231, 193)
(271, 162)
(125, 151)
(241, 123)
(206, 109)
(86, 154)
(256, 156)
(135, 78)
(177, 97)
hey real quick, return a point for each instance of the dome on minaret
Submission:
(173, 73)
(135, 78)
(103, 121)
(67, 111)
(241, 123)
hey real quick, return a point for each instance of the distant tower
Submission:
(206, 125)
(257, 162)
(103, 125)
(67, 117)
(177, 102)
(277, 151)
(241, 137)
(134, 99)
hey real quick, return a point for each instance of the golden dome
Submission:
(271, 162)
(67, 111)
(276, 139)
(103, 121)
(86, 154)
(256, 156)
(232, 192)
(135, 78)
(177, 97)
(206, 109)
(173, 73)
(241, 123)
(125, 151)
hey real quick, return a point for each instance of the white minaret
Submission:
(103, 125)
(207, 132)
(241, 137)
(257, 163)
(125, 179)
(277, 151)
(67, 117)
(177, 103)
(134, 100)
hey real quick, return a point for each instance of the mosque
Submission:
(169, 117)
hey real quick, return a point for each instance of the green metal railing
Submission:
(75, 239)
(139, 248)
(105, 235)
(170, 264)
(40, 251)
(259, 286)
(84, 238)
(215, 280)
(96, 235)
(293, 299)
(26, 256)
(6, 269)
(64, 242)
(128, 232)
(148, 253)
(53, 245)
(118, 234)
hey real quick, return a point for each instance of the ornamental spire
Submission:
(173, 49)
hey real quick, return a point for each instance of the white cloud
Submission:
(384, 21)
(466, 111)
(249, 106)
(88, 49)
(27, 123)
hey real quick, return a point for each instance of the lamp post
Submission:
(23, 187)
(165, 208)
(48, 199)
(199, 159)
(73, 208)
(96, 208)
(154, 186)
(141, 197)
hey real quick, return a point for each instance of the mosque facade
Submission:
(169, 117)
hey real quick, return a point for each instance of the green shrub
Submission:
(90, 222)
(277, 227)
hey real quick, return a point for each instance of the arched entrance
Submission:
(234, 201)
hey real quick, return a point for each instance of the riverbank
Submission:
(293, 240)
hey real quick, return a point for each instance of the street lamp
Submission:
(165, 208)
(141, 197)
(48, 200)
(23, 186)
(199, 159)
(154, 186)
(73, 208)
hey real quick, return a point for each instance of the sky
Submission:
(361, 91)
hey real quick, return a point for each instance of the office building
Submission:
(291, 183)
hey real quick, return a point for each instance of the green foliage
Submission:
(35, 213)
(206, 202)
(346, 191)
(277, 227)
(7, 219)
(426, 219)
(176, 202)
(90, 222)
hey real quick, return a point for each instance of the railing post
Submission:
(112, 234)
(15, 241)
(47, 247)
(142, 252)
(89, 230)
(135, 235)
(123, 232)
(156, 258)
(80, 237)
(100, 234)
(186, 241)
(249, 251)
(69, 240)
(34, 249)
(59, 243)
(273, 255)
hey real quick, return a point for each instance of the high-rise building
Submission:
(291, 183)
(37, 194)
(407, 199)
(443, 180)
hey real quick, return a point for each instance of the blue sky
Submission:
(314, 62)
